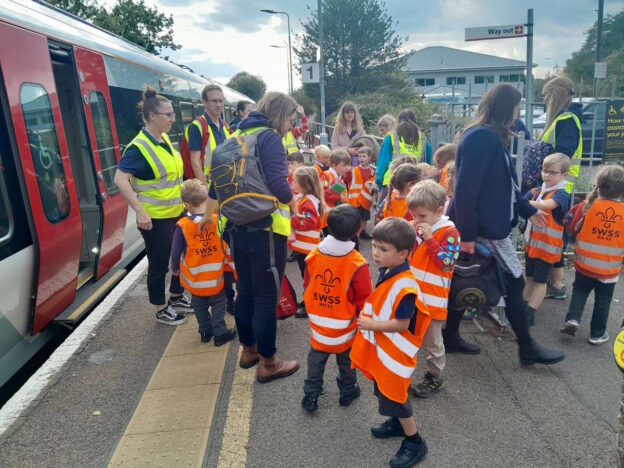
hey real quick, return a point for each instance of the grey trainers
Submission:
(429, 386)
(598, 341)
(555, 293)
(169, 316)
(570, 327)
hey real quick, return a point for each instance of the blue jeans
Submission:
(603, 293)
(254, 310)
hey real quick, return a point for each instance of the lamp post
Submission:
(287, 63)
(273, 12)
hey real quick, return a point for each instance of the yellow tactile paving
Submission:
(171, 424)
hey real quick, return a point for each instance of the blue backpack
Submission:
(534, 154)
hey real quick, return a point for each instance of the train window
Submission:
(199, 109)
(186, 109)
(104, 138)
(6, 217)
(44, 148)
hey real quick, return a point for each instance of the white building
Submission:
(434, 70)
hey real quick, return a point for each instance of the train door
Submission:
(98, 112)
(44, 164)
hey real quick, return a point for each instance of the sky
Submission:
(220, 38)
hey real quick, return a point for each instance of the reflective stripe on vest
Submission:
(434, 282)
(160, 196)
(356, 186)
(201, 268)
(365, 199)
(390, 358)
(305, 241)
(332, 317)
(599, 247)
(545, 243)
(290, 143)
(211, 144)
(396, 208)
(400, 149)
(550, 137)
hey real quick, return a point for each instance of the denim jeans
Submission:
(603, 293)
(254, 310)
(210, 322)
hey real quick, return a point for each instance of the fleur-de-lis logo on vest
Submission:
(204, 237)
(328, 281)
(608, 217)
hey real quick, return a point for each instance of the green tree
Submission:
(130, 19)
(246, 83)
(360, 46)
(581, 65)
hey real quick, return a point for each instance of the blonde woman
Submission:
(348, 127)
(563, 131)
(386, 124)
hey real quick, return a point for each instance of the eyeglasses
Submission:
(215, 101)
(550, 173)
(169, 115)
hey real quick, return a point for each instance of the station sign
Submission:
(600, 70)
(310, 73)
(614, 130)
(495, 32)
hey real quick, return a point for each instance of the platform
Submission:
(141, 394)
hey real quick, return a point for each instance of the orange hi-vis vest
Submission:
(306, 241)
(365, 199)
(389, 358)
(331, 315)
(599, 245)
(330, 179)
(545, 243)
(318, 169)
(435, 284)
(443, 177)
(356, 186)
(397, 206)
(201, 269)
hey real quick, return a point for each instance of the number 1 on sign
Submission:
(310, 70)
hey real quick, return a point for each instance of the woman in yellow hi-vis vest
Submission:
(259, 247)
(563, 131)
(149, 177)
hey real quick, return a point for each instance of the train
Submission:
(68, 95)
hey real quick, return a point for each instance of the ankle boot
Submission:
(453, 343)
(272, 368)
(249, 357)
(532, 353)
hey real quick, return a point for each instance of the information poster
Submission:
(614, 130)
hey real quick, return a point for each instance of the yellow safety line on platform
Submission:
(171, 424)
(234, 444)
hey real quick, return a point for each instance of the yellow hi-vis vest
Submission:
(212, 142)
(400, 149)
(290, 143)
(550, 137)
(161, 196)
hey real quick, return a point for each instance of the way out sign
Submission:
(495, 32)
(310, 73)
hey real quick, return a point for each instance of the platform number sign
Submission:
(310, 73)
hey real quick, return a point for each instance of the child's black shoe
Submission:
(227, 336)
(389, 428)
(309, 403)
(411, 452)
(347, 398)
(205, 337)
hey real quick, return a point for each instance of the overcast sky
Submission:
(219, 38)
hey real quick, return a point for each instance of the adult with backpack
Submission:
(249, 181)
(203, 135)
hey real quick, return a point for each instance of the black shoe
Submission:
(347, 398)
(409, 454)
(532, 353)
(365, 235)
(453, 343)
(531, 316)
(205, 337)
(292, 257)
(229, 307)
(309, 403)
(227, 336)
(389, 428)
(301, 311)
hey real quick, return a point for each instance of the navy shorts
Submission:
(364, 214)
(538, 269)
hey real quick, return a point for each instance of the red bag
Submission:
(287, 302)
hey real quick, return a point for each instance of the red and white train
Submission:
(68, 94)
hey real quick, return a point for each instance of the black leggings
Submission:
(515, 310)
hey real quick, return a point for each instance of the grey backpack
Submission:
(236, 173)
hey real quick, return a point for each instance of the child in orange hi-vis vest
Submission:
(321, 156)
(598, 254)
(336, 284)
(199, 259)
(362, 183)
(432, 261)
(544, 244)
(293, 161)
(404, 176)
(306, 222)
(333, 182)
(392, 325)
(444, 155)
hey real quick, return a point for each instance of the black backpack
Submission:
(476, 282)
